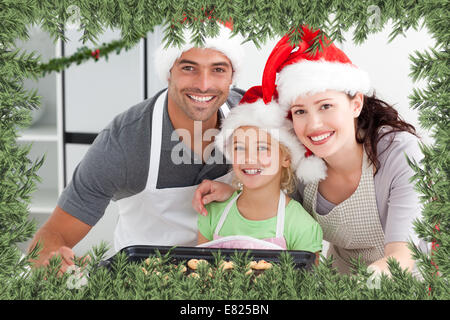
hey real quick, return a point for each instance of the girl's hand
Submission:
(209, 191)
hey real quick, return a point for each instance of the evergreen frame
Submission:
(257, 20)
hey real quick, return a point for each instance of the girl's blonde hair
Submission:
(288, 180)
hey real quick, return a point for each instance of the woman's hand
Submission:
(209, 191)
(400, 252)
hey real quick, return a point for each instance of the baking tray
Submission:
(179, 254)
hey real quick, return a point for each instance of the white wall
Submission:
(97, 90)
(388, 65)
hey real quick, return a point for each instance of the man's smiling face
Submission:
(199, 82)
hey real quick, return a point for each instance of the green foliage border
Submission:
(258, 21)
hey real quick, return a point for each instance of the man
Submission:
(135, 159)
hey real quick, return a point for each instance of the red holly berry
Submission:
(434, 245)
(96, 54)
(435, 265)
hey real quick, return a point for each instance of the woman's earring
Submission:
(240, 186)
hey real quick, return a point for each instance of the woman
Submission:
(366, 205)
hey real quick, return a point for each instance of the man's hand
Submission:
(67, 258)
(57, 236)
(209, 191)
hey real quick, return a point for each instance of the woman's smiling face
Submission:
(325, 122)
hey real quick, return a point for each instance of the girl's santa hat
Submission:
(301, 70)
(253, 111)
(225, 42)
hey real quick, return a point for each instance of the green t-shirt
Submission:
(301, 231)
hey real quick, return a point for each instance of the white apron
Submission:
(159, 216)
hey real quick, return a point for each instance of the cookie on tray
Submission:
(261, 265)
(226, 265)
(193, 263)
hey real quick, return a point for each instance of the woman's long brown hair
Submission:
(374, 115)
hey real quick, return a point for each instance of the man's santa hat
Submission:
(225, 42)
(300, 70)
(253, 111)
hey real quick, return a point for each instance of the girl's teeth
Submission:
(318, 138)
(201, 99)
(252, 171)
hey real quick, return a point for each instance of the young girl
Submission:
(265, 154)
(367, 204)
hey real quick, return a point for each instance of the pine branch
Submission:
(84, 54)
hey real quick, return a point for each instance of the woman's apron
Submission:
(353, 227)
(159, 216)
(246, 242)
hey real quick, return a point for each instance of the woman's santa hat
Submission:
(301, 70)
(253, 111)
(225, 42)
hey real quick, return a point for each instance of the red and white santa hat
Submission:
(227, 43)
(296, 69)
(253, 111)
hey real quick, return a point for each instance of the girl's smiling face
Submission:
(257, 158)
(325, 122)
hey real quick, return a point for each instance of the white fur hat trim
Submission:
(317, 76)
(231, 47)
